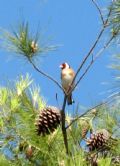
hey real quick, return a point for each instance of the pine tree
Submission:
(34, 133)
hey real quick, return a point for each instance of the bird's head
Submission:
(64, 66)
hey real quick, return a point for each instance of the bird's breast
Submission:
(66, 80)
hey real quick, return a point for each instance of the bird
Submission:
(67, 76)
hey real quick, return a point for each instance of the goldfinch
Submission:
(67, 76)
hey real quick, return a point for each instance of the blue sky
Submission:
(74, 26)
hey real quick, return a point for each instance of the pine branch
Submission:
(99, 11)
(93, 60)
(45, 74)
(63, 124)
(89, 53)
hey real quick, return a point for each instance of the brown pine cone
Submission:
(48, 120)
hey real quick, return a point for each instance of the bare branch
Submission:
(89, 53)
(63, 124)
(93, 60)
(99, 10)
(46, 75)
(109, 14)
(85, 59)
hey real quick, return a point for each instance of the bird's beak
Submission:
(60, 66)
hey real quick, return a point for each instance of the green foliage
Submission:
(4, 161)
(21, 104)
(105, 162)
(23, 43)
(115, 17)
(17, 115)
(19, 108)
(108, 117)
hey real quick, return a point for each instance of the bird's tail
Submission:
(69, 99)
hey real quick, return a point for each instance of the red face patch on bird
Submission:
(64, 66)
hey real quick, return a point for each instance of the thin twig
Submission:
(88, 54)
(99, 10)
(63, 124)
(85, 59)
(107, 20)
(46, 75)
(75, 119)
(103, 103)
(57, 101)
(92, 61)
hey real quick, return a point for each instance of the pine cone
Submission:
(48, 120)
(97, 140)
